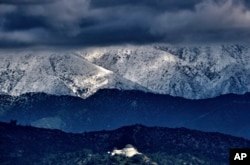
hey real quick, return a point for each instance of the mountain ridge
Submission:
(29, 145)
(192, 72)
(65, 74)
(112, 108)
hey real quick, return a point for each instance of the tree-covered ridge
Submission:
(110, 109)
(29, 145)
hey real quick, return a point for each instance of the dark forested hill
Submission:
(111, 109)
(29, 145)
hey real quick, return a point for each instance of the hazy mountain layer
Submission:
(110, 109)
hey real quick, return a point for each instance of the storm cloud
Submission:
(108, 22)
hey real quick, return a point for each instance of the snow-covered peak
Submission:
(190, 71)
(59, 74)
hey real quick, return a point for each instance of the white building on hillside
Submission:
(128, 151)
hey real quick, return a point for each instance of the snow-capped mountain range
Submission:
(193, 72)
(58, 74)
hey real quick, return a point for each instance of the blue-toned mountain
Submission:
(109, 109)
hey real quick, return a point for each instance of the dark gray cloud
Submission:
(25, 2)
(157, 5)
(105, 22)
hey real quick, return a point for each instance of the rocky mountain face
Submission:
(29, 145)
(58, 74)
(192, 72)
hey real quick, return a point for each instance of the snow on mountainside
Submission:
(188, 71)
(59, 74)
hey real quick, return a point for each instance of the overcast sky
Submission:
(108, 22)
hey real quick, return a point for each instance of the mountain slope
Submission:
(110, 109)
(58, 74)
(28, 145)
(188, 71)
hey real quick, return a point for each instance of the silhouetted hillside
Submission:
(29, 145)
